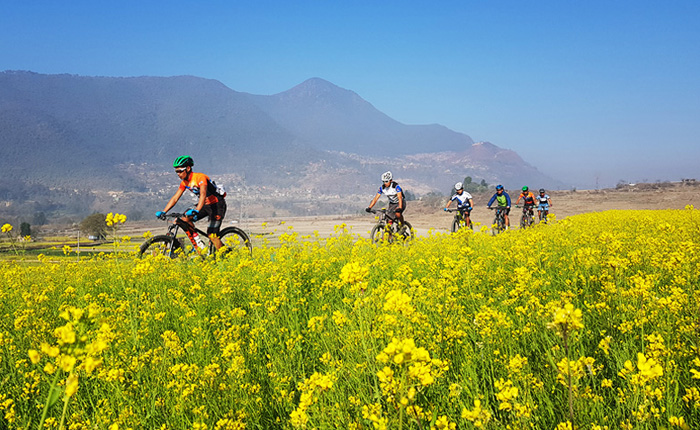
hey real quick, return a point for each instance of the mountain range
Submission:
(79, 136)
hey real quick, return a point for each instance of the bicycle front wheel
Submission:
(161, 245)
(380, 234)
(456, 224)
(235, 238)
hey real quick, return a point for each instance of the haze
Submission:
(589, 92)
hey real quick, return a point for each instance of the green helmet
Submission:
(525, 189)
(183, 161)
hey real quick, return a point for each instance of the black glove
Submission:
(399, 210)
(368, 210)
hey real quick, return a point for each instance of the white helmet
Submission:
(458, 186)
(386, 177)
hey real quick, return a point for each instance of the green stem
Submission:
(63, 414)
(568, 368)
(48, 399)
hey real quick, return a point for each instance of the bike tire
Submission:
(161, 245)
(406, 231)
(234, 238)
(456, 224)
(500, 224)
(379, 234)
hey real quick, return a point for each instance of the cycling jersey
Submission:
(528, 198)
(503, 200)
(391, 192)
(461, 199)
(198, 181)
(543, 200)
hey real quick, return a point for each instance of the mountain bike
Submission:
(386, 229)
(542, 212)
(527, 218)
(499, 220)
(460, 221)
(172, 246)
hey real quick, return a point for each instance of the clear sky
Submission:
(601, 89)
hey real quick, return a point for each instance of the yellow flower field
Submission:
(592, 322)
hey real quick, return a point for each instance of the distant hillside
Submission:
(325, 116)
(75, 143)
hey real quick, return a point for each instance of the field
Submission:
(590, 322)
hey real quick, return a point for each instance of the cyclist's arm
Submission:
(449, 202)
(518, 201)
(507, 199)
(374, 200)
(174, 199)
(400, 196)
(471, 203)
(202, 198)
(549, 201)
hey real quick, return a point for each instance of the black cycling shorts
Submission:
(216, 213)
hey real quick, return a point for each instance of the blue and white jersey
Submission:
(543, 200)
(391, 192)
(461, 199)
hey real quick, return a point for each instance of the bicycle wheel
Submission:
(380, 233)
(161, 245)
(456, 224)
(235, 238)
(406, 231)
(523, 221)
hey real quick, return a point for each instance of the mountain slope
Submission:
(326, 116)
(95, 138)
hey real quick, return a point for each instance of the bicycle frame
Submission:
(177, 224)
(461, 216)
(390, 226)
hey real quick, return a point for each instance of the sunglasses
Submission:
(180, 170)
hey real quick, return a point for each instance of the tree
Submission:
(25, 229)
(94, 225)
(467, 180)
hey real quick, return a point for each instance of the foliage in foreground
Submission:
(591, 322)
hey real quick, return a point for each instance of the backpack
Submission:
(218, 189)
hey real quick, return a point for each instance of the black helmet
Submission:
(183, 161)
(541, 190)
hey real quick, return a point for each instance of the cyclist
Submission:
(211, 203)
(397, 202)
(503, 200)
(528, 200)
(544, 202)
(464, 202)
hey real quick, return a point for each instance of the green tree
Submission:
(25, 229)
(94, 225)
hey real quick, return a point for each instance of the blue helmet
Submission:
(499, 187)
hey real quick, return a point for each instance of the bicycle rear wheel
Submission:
(161, 245)
(234, 238)
(406, 231)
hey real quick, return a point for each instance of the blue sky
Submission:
(584, 90)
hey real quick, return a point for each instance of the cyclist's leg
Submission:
(216, 213)
(505, 215)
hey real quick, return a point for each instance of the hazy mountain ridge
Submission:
(84, 135)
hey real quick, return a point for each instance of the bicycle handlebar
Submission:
(170, 215)
(374, 211)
